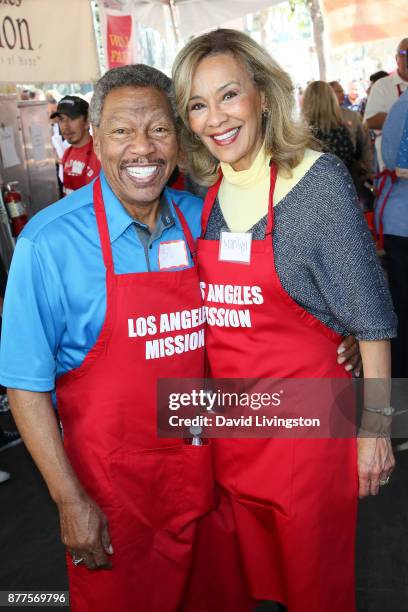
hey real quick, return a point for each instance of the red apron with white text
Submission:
(294, 501)
(152, 490)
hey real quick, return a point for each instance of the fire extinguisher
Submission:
(15, 208)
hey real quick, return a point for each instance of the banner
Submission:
(45, 40)
(359, 21)
(119, 40)
(118, 34)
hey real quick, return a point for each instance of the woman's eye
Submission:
(229, 95)
(196, 106)
(119, 131)
(160, 130)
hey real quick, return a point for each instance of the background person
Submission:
(289, 498)
(385, 91)
(80, 163)
(383, 94)
(362, 164)
(392, 222)
(322, 113)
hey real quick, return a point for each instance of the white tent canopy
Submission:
(188, 16)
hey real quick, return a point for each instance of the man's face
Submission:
(136, 144)
(73, 130)
(402, 60)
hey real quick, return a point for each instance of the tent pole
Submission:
(173, 21)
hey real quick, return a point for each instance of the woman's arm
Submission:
(375, 457)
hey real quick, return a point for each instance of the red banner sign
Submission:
(119, 40)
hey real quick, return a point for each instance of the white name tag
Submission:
(172, 254)
(235, 247)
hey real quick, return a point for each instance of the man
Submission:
(376, 76)
(392, 222)
(79, 162)
(387, 90)
(91, 280)
(352, 99)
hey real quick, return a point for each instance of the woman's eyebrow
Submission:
(218, 89)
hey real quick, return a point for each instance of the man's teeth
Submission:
(141, 171)
(227, 135)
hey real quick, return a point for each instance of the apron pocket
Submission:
(163, 488)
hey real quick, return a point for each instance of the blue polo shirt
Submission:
(394, 150)
(55, 300)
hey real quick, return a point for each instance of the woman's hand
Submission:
(349, 354)
(375, 463)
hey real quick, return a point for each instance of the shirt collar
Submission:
(118, 217)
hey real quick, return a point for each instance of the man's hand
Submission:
(84, 528)
(375, 463)
(349, 354)
(84, 531)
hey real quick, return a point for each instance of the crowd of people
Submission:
(93, 274)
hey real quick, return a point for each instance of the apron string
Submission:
(186, 230)
(273, 174)
(209, 203)
(102, 222)
(212, 194)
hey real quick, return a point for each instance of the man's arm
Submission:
(84, 528)
(376, 121)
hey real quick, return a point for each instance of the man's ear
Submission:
(96, 141)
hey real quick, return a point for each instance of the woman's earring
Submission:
(265, 113)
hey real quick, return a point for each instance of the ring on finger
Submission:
(384, 481)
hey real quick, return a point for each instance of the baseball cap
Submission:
(72, 106)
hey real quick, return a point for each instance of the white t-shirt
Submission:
(383, 94)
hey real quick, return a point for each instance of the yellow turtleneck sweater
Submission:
(244, 195)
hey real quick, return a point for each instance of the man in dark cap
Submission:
(79, 162)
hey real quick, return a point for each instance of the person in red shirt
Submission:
(79, 162)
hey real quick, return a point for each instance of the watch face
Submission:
(389, 411)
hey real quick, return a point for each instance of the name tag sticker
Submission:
(235, 247)
(172, 254)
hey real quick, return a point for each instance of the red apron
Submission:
(294, 501)
(152, 490)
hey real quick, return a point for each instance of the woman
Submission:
(322, 113)
(293, 501)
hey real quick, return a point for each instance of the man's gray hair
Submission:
(137, 75)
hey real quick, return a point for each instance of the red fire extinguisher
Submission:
(15, 208)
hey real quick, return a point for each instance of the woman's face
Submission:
(225, 110)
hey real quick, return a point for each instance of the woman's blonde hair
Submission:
(320, 107)
(285, 140)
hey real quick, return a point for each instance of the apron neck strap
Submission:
(102, 222)
(273, 174)
(186, 230)
(213, 191)
(209, 203)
